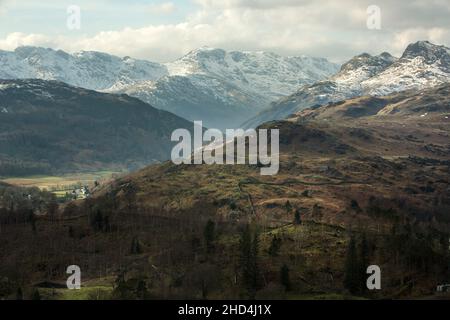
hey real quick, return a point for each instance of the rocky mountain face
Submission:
(221, 88)
(51, 127)
(422, 65)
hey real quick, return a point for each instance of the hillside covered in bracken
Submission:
(369, 188)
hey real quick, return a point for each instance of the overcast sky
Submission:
(160, 30)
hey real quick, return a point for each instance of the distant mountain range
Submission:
(422, 65)
(86, 69)
(221, 88)
(51, 127)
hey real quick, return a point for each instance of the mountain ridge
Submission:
(49, 127)
(225, 86)
(422, 65)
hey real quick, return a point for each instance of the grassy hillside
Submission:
(47, 127)
(364, 190)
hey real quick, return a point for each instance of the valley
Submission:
(60, 185)
(51, 128)
(222, 88)
(371, 183)
(86, 180)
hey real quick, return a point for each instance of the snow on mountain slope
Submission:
(430, 103)
(225, 88)
(219, 87)
(91, 70)
(343, 85)
(266, 73)
(216, 103)
(422, 65)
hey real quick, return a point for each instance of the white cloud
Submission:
(254, 4)
(162, 8)
(16, 39)
(3, 8)
(435, 35)
(335, 29)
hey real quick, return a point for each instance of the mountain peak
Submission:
(206, 52)
(89, 69)
(428, 50)
(26, 51)
(366, 60)
(387, 57)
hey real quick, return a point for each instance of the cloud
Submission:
(253, 4)
(335, 29)
(3, 7)
(162, 8)
(435, 35)
(16, 39)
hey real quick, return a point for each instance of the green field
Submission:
(60, 184)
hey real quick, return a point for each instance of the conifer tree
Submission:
(274, 246)
(209, 234)
(297, 217)
(135, 246)
(19, 294)
(352, 271)
(363, 262)
(36, 295)
(284, 277)
(249, 250)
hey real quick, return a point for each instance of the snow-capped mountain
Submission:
(270, 75)
(422, 65)
(225, 88)
(219, 87)
(87, 69)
